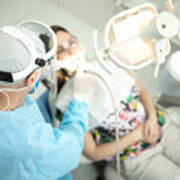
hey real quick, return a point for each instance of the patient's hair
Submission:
(63, 74)
(57, 28)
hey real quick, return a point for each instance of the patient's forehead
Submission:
(62, 37)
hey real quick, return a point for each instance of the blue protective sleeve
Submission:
(61, 148)
(43, 105)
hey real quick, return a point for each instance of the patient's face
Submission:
(68, 45)
(68, 50)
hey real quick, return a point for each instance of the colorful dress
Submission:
(131, 114)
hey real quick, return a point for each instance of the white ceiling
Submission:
(97, 12)
(93, 12)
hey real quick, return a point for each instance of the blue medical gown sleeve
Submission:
(61, 148)
(66, 177)
(43, 105)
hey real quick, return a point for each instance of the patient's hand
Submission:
(139, 133)
(151, 130)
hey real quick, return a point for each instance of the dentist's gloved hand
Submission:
(79, 87)
(83, 85)
(89, 88)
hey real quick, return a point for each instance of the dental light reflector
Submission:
(137, 37)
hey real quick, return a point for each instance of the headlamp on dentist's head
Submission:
(22, 51)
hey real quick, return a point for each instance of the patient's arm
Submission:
(152, 129)
(105, 150)
(145, 98)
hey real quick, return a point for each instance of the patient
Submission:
(149, 142)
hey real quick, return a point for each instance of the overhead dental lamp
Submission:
(138, 37)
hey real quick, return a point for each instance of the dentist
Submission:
(32, 149)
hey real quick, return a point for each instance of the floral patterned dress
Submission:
(131, 114)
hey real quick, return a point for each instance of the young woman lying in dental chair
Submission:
(149, 142)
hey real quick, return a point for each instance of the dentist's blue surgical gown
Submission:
(31, 149)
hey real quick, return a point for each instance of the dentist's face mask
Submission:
(35, 86)
(69, 52)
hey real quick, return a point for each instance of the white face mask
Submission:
(71, 64)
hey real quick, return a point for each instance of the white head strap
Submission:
(38, 60)
(26, 41)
